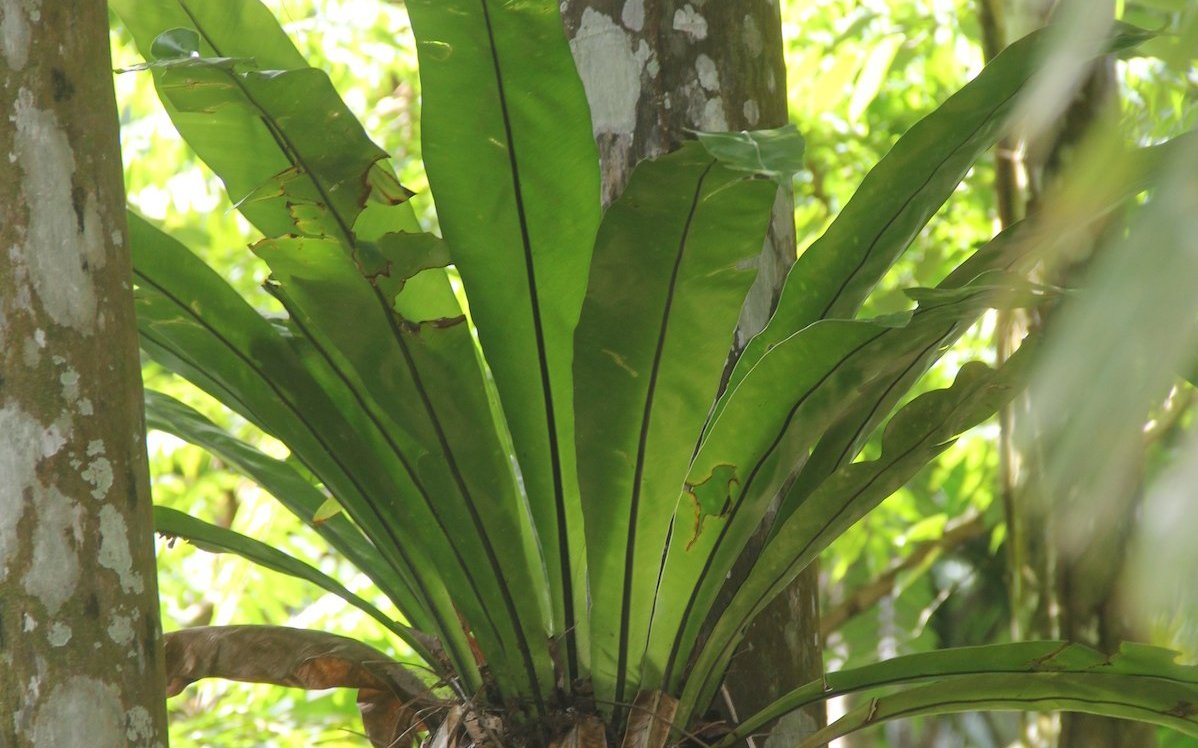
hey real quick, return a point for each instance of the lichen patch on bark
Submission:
(53, 572)
(69, 380)
(81, 711)
(20, 296)
(59, 635)
(14, 32)
(25, 445)
(690, 22)
(709, 75)
(114, 549)
(139, 726)
(713, 118)
(633, 14)
(120, 629)
(602, 45)
(750, 34)
(98, 472)
(752, 112)
(64, 223)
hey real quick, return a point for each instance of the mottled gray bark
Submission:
(654, 69)
(80, 661)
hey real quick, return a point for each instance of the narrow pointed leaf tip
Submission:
(777, 154)
(1128, 36)
(1002, 289)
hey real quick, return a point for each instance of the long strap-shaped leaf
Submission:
(898, 197)
(215, 539)
(516, 185)
(1145, 699)
(798, 390)
(775, 416)
(214, 338)
(1015, 249)
(915, 435)
(466, 498)
(1030, 672)
(289, 488)
(308, 173)
(291, 154)
(670, 273)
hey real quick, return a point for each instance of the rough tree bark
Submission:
(654, 69)
(80, 661)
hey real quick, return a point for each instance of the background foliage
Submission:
(859, 75)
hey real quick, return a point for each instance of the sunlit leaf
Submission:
(777, 154)
(517, 192)
(672, 265)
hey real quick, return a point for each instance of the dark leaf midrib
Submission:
(844, 507)
(736, 506)
(907, 203)
(298, 414)
(290, 151)
(643, 435)
(542, 358)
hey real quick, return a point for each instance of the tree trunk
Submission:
(654, 69)
(80, 661)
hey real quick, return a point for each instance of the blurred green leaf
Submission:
(777, 154)
(174, 43)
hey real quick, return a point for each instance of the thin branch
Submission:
(955, 535)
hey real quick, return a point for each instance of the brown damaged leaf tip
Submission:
(382, 186)
(701, 510)
(440, 323)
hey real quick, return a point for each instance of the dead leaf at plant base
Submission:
(650, 720)
(390, 698)
(587, 732)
